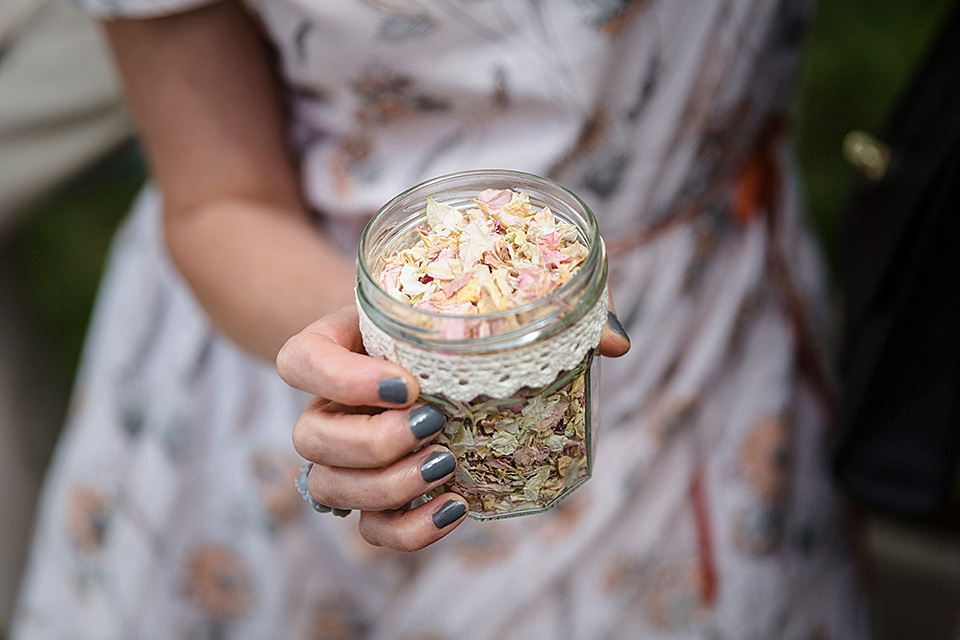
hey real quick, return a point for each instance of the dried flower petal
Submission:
(498, 255)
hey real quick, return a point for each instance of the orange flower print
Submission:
(560, 521)
(613, 15)
(765, 459)
(757, 530)
(337, 618)
(625, 574)
(218, 582)
(672, 599)
(484, 547)
(668, 592)
(347, 161)
(765, 463)
(88, 514)
(275, 474)
(385, 95)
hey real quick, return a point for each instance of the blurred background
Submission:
(54, 235)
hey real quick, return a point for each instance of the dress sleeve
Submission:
(139, 8)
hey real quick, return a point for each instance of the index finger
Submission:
(324, 360)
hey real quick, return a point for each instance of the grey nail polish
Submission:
(449, 513)
(425, 421)
(439, 464)
(614, 323)
(393, 390)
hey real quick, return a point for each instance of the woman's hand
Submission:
(361, 431)
(369, 441)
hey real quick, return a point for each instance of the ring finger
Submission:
(382, 488)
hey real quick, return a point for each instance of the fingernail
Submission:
(425, 421)
(439, 464)
(393, 390)
(614, 323)
(449, 513)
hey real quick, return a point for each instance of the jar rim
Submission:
(582, 275)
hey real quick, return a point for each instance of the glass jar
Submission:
(517, 386)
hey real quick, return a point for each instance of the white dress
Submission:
(170, 512)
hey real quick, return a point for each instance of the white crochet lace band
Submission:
(500, 374)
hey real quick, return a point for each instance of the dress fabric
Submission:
(169, 510)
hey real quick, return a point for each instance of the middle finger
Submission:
(327, 435)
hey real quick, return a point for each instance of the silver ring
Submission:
(301, 484)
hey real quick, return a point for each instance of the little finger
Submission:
(414, 529)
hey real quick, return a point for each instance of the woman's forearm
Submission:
(262, 273)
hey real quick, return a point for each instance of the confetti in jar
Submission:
(490, 287)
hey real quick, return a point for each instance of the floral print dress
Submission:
(170, 512)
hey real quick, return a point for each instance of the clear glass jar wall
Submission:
(521, 453)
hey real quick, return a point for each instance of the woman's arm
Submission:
(202, 90)
(203, 93)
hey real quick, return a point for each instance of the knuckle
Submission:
(379, 443)
(319, 487)
(303, 438)
(407, 541)
(311, 359)
(288, 357)
(308, 368)
(397, 497)
(369, 532)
